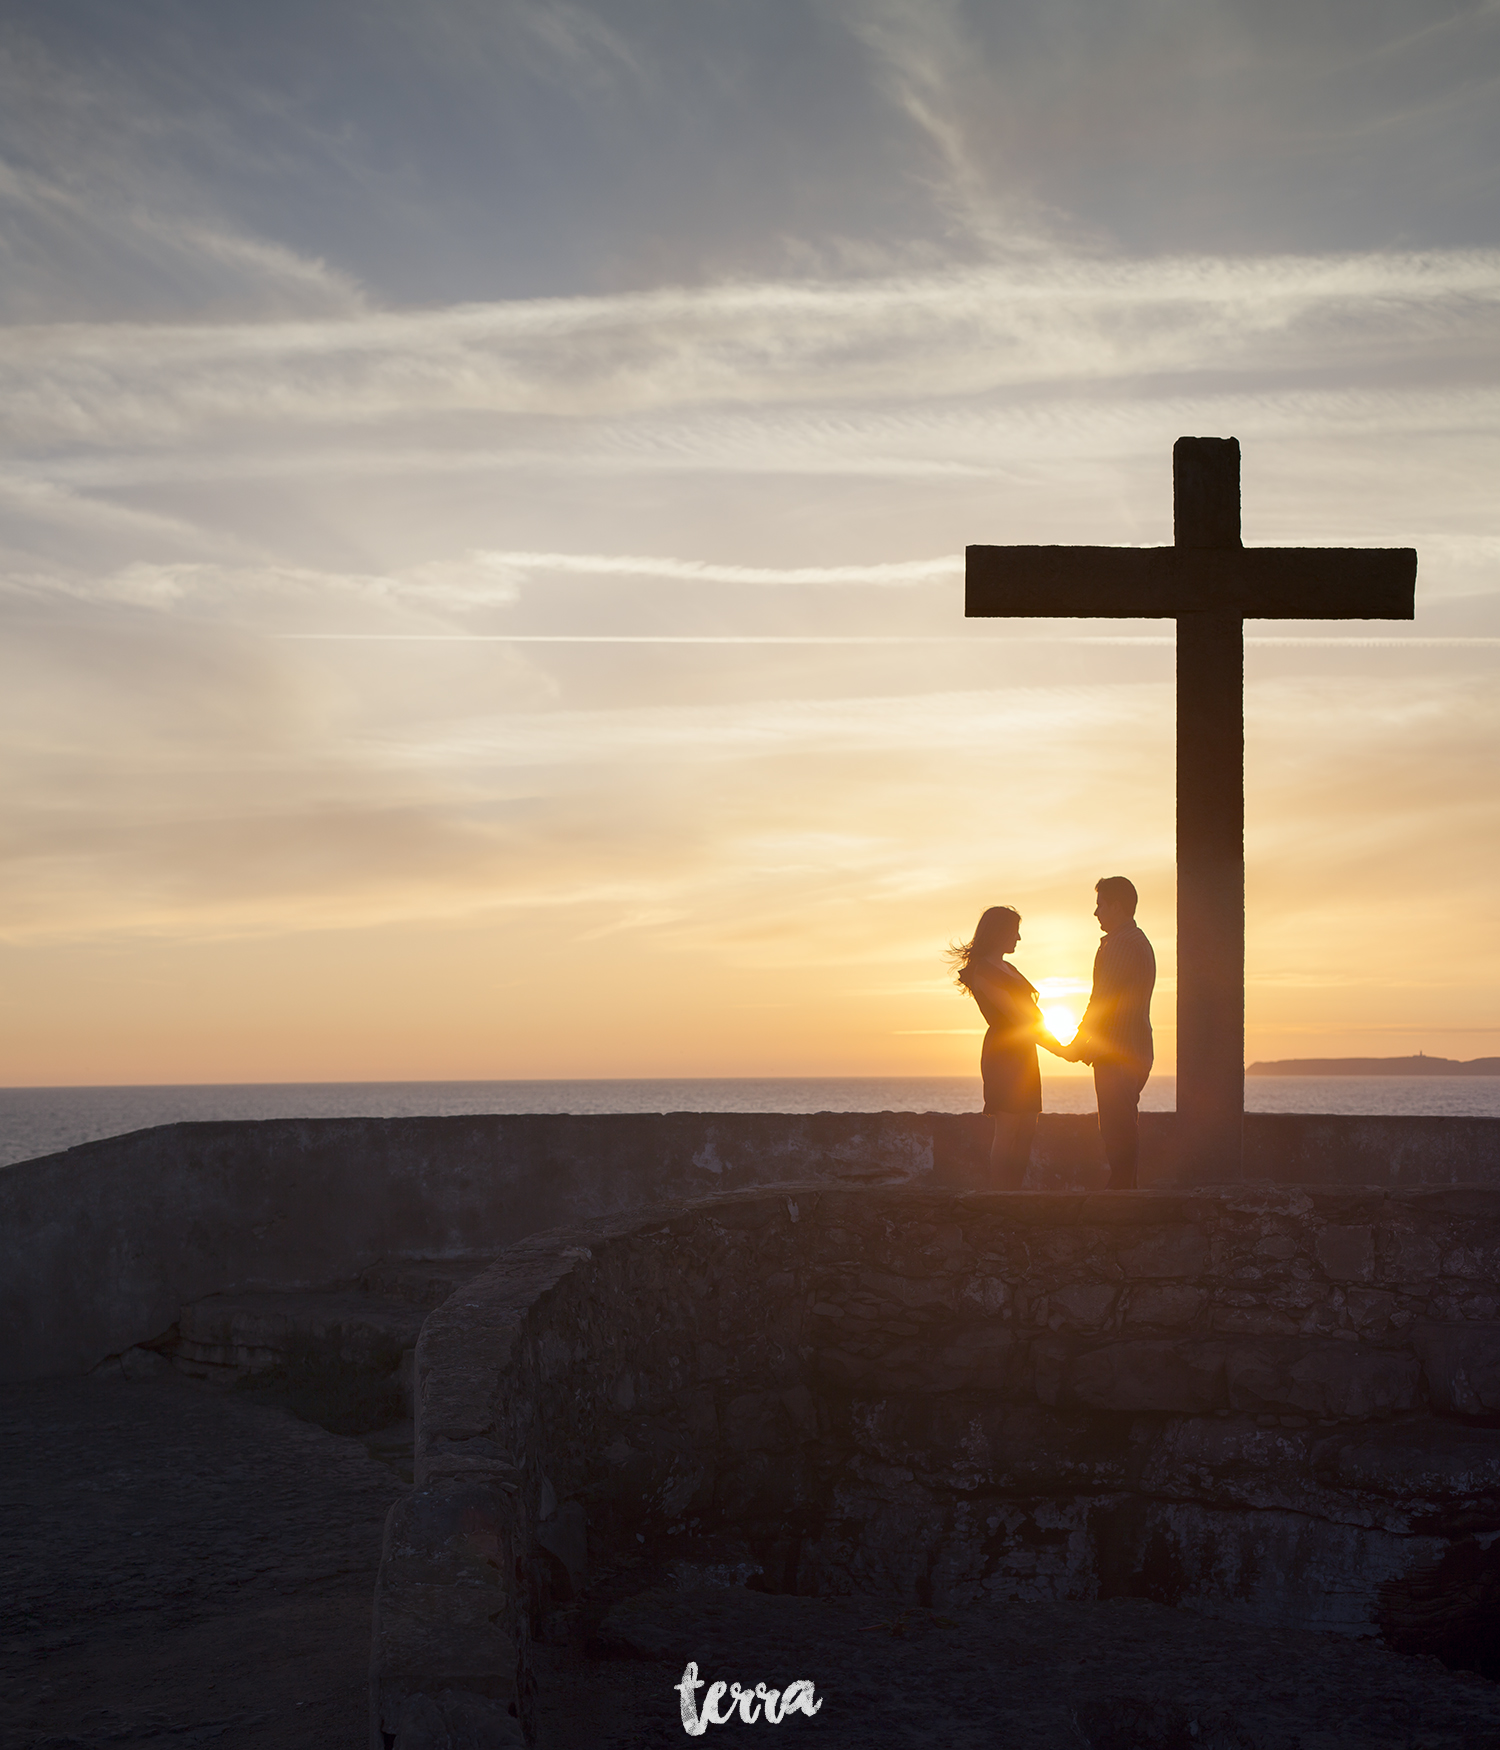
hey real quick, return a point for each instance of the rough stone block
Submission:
(1347, 1253)
(1414, 1257)
(1183, 1378)
(1177, 1250)
(475, 1460)
(1174, 1306)
(984, 1355)
(1461, 1367)
(1370, 1308)
(1253, 1321)
(1348, 1381)
(1421, 1464)
(759, 1422)
(907, 1291)
(1277, 1246)
(1049, 1359)
(454, 1535)
(1083, 1306)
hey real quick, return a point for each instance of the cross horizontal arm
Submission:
(1161, 583)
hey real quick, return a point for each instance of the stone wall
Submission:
(100, 1246)
(1271, 1404)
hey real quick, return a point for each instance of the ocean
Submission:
(41, 1121)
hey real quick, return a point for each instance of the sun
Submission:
(1062, 1023)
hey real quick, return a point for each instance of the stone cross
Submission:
(1209, 584)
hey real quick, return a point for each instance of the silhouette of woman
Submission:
(1007, 1060)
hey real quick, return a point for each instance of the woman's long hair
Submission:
(993, 924)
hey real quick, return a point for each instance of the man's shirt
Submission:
(1116, 1026)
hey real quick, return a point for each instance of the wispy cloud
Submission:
(924, 52)
(84, 234)
(968, 332)
(896, 574)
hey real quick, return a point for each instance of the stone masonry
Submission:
(103, 1245)
(1267, 1404)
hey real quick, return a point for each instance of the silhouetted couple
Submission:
(1114, 1034)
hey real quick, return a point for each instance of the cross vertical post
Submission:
(1210, 821)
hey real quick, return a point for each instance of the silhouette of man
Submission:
(1115, 1032)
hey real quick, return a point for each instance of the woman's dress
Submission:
(1007, 1060)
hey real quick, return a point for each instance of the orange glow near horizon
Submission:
(466, 693)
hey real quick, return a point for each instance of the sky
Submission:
(483, 491)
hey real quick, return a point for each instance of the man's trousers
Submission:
(1117, 1088)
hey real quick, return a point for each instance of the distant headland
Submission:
(1419, 1065)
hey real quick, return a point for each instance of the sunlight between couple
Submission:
(1114, 1034)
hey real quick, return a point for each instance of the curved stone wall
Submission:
(1271, 1404)
(101, 1246)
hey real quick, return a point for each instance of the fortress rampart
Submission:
(1261, 1403)
(102, 1246)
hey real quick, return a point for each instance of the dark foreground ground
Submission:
(181, 1566)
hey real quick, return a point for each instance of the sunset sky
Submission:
(484, 490)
